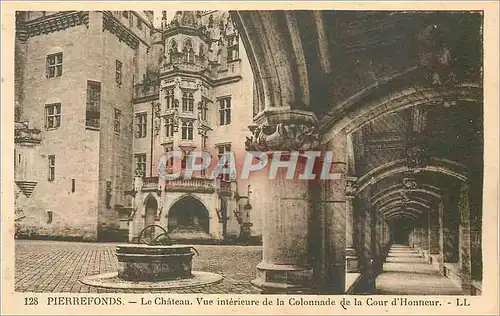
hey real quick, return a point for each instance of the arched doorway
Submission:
(149, 218)
(400, 231)
(187, 218)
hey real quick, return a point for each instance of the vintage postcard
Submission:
(250, 158)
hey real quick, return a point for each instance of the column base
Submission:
(277, 278)
(351, 261)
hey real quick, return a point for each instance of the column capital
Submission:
(284, 130)
(350, 187)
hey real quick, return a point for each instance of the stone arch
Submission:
(398, 199)
(188, 215)
(172, 46)
(187, 44)
(400, 214)
(425, 189)
(438, 165)
(188, 50)
(150, 205)
(414, 212)
(404, 90)
(181, 196)
(400, 204)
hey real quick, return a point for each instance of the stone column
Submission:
(383, 241)
(434, 233)
(387, 234)
(376, 241)
(366, 253)
(286, 265)
(332, 214)
(416, 238)
(441, 236)
(451, 230)
(465, 240)
(425, 235)
(352, 264)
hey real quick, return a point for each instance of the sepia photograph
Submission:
(305, 152)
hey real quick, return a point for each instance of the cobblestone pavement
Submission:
(56, 266)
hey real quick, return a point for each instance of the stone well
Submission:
(155, 265)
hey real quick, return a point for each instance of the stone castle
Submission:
(95, 115)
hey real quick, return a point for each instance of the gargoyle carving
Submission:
(284, 136)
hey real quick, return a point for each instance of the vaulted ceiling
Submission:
(405, 86)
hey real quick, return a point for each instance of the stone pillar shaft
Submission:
(285, 255)
(332, 211)
(465, 240)
(441, 235)
(434, 232)
(451, 231)
(352, 264)
(366, 247)
(285, 266)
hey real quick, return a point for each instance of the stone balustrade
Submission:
(200, 185)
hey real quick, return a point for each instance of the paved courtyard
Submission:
(56, 266)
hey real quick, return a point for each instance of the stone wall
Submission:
(89, 157)
(76, 149)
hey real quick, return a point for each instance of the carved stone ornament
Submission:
(157, 128)
(436, 56)
(283, 136)
(24, 134)
(157, 109)
(139, 172)
(351, 186)
(410, 183)
(175, 119)
(405, 197)
(416, 157)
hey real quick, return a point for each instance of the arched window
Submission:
(188, 51)
(187, 102)
(172, 50)
(187, 130)
(202, 51)
(169, 127)
(173, 46)
(232, 48)
(169, 98)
